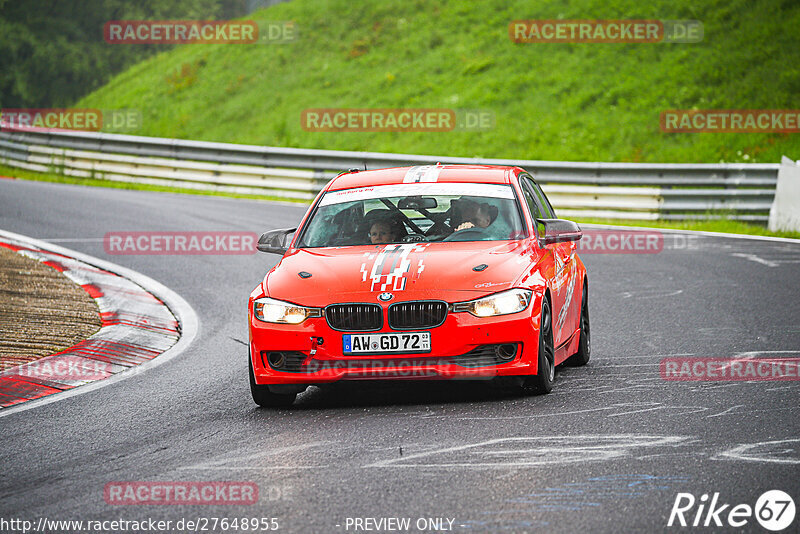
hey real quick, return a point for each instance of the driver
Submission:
(479, 216)
(383, 231)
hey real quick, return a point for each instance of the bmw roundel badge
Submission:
(385, 297)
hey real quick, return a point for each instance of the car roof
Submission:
(487, 174)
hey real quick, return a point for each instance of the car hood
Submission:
(410, 271)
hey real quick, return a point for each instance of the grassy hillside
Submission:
(597, 102)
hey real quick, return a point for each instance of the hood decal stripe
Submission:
(422, 173)
(398, 259)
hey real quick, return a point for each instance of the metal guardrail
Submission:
(576, 189)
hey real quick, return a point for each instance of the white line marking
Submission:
(745, 412)
(754, 353)
(726, 411)
(705, 386)
(687, 453)
(638, 411)
(654, 364)
(553, 449)
(753, 257)
(261, 468)
(645, 356)
(654, 293)
(508, 417)
(782, 388)
(745, 452)
(220, 463)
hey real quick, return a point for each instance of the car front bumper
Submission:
(463, 347)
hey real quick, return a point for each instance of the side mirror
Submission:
(557, 231)
(275, 241)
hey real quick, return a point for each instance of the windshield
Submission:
(408, 213)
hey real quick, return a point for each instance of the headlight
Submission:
(276, 311)
(511, 301)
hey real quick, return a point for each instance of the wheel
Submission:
(542, 382)
(585, 344)
(263, 396)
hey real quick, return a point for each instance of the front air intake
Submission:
(417, 314)
(488, 355)
(354, 317)
(283, 361)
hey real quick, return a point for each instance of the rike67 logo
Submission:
(774, 510)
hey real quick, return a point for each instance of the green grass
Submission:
(718, 225)
(583, 102)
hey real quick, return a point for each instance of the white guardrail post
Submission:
(785, 212)
(576, 189)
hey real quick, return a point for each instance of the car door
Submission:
(536, 211)
(568, 317)
(563, 284)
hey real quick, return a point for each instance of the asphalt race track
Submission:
(607, 451)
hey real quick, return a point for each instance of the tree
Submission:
(52, 52)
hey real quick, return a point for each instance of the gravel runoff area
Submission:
(41, 310)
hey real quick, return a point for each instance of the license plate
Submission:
(408, 343)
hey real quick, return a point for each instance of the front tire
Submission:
(585, 344)
(263, 396)
(542, 382)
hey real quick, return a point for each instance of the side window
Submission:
(538, 209)
(532, 206)
(546, 207)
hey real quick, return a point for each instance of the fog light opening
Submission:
(506, 352)
(276, 359)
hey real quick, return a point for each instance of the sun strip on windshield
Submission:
(417, 189)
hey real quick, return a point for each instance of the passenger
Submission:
(382, 231)
(481, 217)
